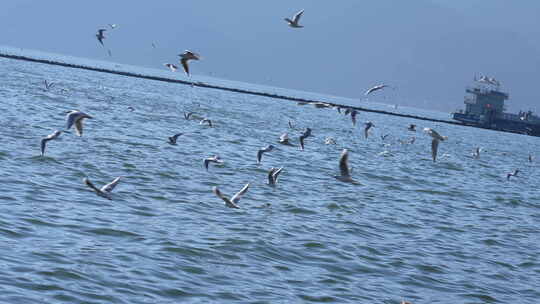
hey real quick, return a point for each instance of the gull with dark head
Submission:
(263, 150)
(214, 159)
(369, 125)
(436, 138)
(345, 173)
(306, 134)
(412, 127)
(172, 139)
(353, 117)
(44, 141)
(206, 120)
(76, 117)
(101, 35)
(296, 18)
(104, 191)
(375, 88)
(187, 56)
(171, 67)
(233, 201)
(273, 175)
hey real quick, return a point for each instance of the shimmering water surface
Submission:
(455, 231)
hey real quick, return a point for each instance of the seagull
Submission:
(290, 124)
(515, 173)
(294, 22)
(113, 26)
(344, 168)
(305, 135)
(329, 141)
(48, 85)
(233, 202)
(476, 153)
(100, 36)
(347, 111)
(76, 117)
(369, 125)
(273, 175)
(131, 109)
(284, 139)
(104, 191)
(206, 120)
(375, 88)
(412, 127)
(187, 115)
(339, 109)
(44, 141)
(214, 159)
(263, 150)
(172, 139)
(171, 66)
(185, 57)
(435, 142)
(413, 139)
(383, 137)
(353, 117)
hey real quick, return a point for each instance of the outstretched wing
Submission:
(184, 63)
(434, 148)
(344, 163)
(236, 198)
(297, 16)
(90, 185)
(110, 186)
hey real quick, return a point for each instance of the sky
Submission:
(427, 50)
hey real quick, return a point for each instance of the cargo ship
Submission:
(485, 108)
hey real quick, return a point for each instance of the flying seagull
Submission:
(185, 57)
(171, 66)
(515, 173)
(44, 141)
(435, 142)
(187, 115)
(353, 117)
(412, 127)
(476, 153)
(305, 135)
(101, 35)
(233, 202)
(296, 18)
(172, 139)
(48, 85)
(345, 173)
(214, 159)
(76, 117)
(329, 141)
(369, 125)
(113, 26)
(273, 175)
(104, 191)
(206, 120)
(290, 124)
(375, 88)
(263, 150)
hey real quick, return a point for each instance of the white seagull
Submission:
(435, 142)
(263, 150)
(476, 153)
(214, 159)
(113, 26)
(344, 168)
(284, 139)
(233, 201)
(44, 141)
(375, 88)
(171, 66)
(273, 175)
(101, 35)
(185, 57)
(205, 120)
(296, 18)
(76, 117)
(104, 191)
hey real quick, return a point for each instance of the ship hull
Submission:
(521, 127)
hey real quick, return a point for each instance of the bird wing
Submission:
(43, 144)
(284, 137)
(271, 180)
(353, 117)
(90, 185)
(79, 126)
(175, 136)
(297, 16)
(228, 202)
(110, 186)
(184, 63)
(276, 174)
(206, 161)
(236, 198)
(343, 163)
(434, 148)
(70, 119)
(259, 155)
(302, 142)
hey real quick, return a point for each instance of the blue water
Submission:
(455, 231)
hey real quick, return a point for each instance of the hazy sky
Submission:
(429, 49)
